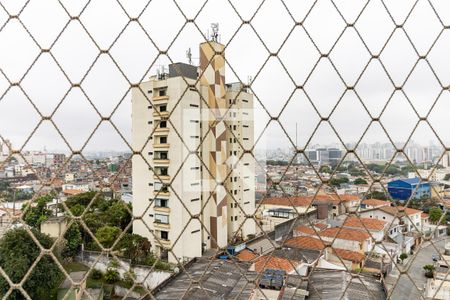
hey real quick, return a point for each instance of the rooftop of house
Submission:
(365, 223)
(218, 279)
(349, 255)
(246, 255)
(399, 210)
(305, 242)
(332, 284)
(277, 263)
(345, 234)
(375, 202)
(306, 230)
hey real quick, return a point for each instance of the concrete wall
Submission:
(153, 279)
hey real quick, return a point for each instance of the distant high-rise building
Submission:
(193, 185)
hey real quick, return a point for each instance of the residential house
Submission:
(348, 239)
(376, 228)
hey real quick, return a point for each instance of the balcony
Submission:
(160, 161)
(162, 209)
(160, 98)
(159, 130)
(165, 243)
(161, 115)
(160, 225)
(163, 178)
(162, 193)
(161, 146)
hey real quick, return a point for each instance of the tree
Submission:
(435, 214)
(107, 235)
(18, 252)
(134, 246)
(429, 270)
(403, 256)
(377, 195)
(77, 210)
(325, 169)
(37, 214)
(338, 181)
(359, 181)
(118, 215)
(74, 240)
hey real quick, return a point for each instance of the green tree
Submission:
(107, 235)
(77, 209)
(338, 181)
(359, 181)
(18, 252)
(83, 199)
(118, 214)
(435, 214)
(377, 195)
(134, 246)
(74, 240)
(38, 213)
(403, 256)
(429, 270)
(325, 169)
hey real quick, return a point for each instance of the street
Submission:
(405, 288)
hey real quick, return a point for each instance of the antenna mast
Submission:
(215, 32)
(189, 55)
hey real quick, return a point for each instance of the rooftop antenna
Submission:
(215, 32)
(189, 55)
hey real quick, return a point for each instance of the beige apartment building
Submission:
(192, 130)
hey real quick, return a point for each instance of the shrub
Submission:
(96, 274)
(112, 276)
(429, 269)
(129, 278)
(403, 256)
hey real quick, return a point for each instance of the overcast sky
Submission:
(75, 52)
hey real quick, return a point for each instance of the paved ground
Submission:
(405, 288)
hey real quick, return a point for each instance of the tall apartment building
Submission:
(193, 129)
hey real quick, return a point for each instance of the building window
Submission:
(162, 92)
(163, 124)
(163, 219)
(162, 108)
(161, 202)
(164, 235)
(161, 155)
(163, 140)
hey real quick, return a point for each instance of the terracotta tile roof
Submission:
(276, 263)
(246, 255)
(288, 201)
(399, 211)
(424, 216)
(305, 242)
(73, 192)
(305, 229)
(321, 226)
(349, 255)
(345, 234)
(365, 223)
(376, 202)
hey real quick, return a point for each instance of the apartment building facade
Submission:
(193, 185)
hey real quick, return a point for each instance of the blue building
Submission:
(402, 189)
